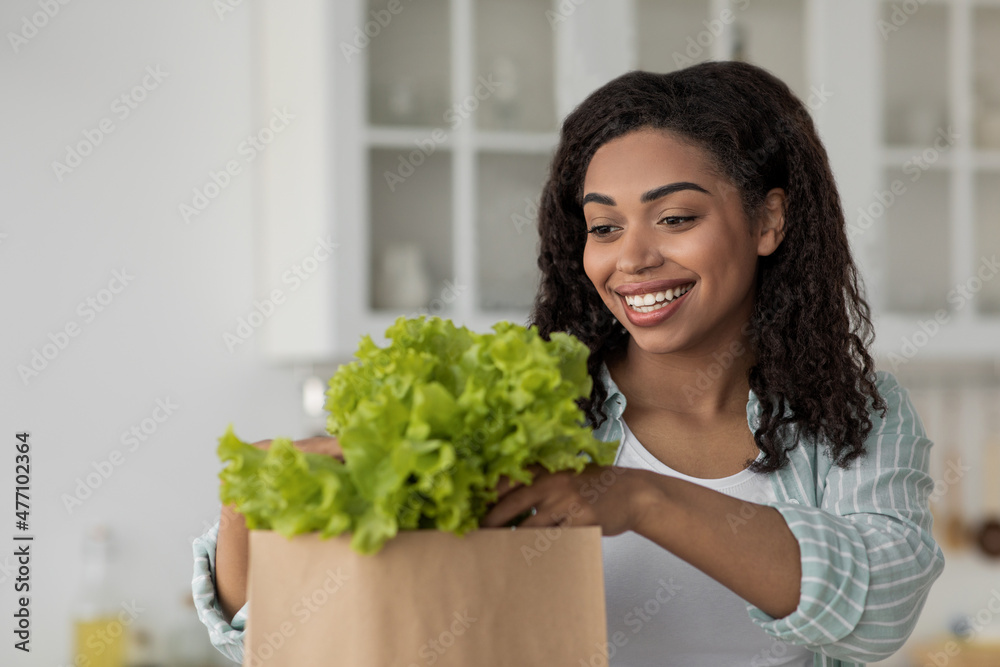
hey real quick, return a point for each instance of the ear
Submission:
(771, 229)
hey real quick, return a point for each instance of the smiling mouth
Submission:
(647, 303)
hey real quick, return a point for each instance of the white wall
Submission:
(161, 337)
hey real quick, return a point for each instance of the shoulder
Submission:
(887, 384)
(896, 434)
(900, 415)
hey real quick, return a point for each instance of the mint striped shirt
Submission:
(867, 553)
(868, 557)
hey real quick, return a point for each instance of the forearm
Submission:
(231, 562)
(758, 559)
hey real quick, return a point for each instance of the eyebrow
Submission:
(648, 196)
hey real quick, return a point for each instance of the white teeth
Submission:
(645, 303)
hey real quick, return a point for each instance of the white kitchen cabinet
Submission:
(934, 280)
(427, 128)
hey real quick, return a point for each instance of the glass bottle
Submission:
(99, 634)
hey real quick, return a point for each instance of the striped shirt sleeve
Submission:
(867, 553)
(227, 637)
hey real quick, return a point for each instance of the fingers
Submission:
(545, 517)
(526, 505)
(505, 485)
(512, 504)
(526, 511)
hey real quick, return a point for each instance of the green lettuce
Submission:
(427, 425)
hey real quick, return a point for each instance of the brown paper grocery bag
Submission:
(493, 597)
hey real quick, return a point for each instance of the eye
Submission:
(602, 231)
(677, 220)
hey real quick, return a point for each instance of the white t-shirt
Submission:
(664, 612)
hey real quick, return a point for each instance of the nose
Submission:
(638, 250)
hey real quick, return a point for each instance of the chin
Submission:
(654, 342)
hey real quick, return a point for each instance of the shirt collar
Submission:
(614, 404)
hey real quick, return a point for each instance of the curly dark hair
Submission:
(810, 328)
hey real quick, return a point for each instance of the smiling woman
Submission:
(767, 476)
(768, 503)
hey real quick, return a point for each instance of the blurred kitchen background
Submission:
(207, 202)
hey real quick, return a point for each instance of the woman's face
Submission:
(669, 248)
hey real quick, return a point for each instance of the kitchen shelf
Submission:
(936, 73)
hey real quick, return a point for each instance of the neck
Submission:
(705, 383)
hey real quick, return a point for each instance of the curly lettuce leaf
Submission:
(427, 426)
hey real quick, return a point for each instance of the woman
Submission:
(774, 508)
(769, 502)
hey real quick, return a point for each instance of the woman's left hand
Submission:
(611, 497)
